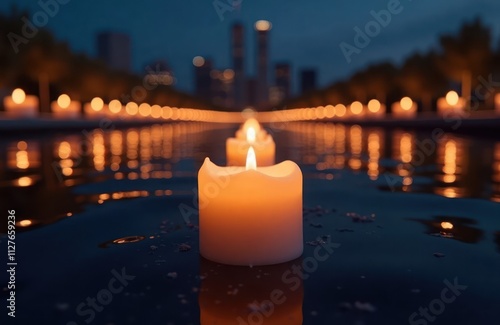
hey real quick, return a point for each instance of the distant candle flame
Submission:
(18, 96)
(251, 160)
(406, 103)
(446, 225)
(452, 98)
(64, 101)
(251, 135)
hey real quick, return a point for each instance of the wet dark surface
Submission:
(398, 216)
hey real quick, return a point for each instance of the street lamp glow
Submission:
(198, 61)
(263, 25)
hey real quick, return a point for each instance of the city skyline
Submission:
(316, 30)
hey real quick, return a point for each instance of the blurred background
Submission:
(230, 55)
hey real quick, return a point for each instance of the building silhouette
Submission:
(115, 50)
(238, 57)
(203, 80)
(307, 80)
(262, 28)
(282, 80)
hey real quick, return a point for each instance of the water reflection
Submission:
(44, 172)
(496, 174)
(451, 161)
(244, 295)
(122, 240)
(461, 229)
(407, 161)
(497, 240)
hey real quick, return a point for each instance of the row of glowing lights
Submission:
(133, 109)
(156, 111)
(356, 108)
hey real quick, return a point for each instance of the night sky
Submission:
(305, 33)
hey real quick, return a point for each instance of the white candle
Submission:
(64, 107)
(249, 215)
(21, 105)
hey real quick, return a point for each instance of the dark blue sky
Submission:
(305, 33)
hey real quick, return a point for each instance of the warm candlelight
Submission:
(451, 103)
(250, 215)
(96, 108)
(64, 107)
(21, 105)
(356, 109)
(251, 123)
(264, 146)
(405, 108)
(375, 108)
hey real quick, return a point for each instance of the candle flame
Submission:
(18, 96)
(251, 135)
(446, 225)
(251, 160)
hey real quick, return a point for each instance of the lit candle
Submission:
(236, 149)
(64, 107)
(115, 108)
(406, 108)
(250, 215)
(96, 108)
(375, 109)
(451, 103)
(21, 105)
(356, 109)
(497, 103)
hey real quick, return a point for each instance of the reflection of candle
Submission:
(451, 103)
(236, 149)
(250, 216)
(64, 107)
(406, 107)
(251, 123)
(21, 105)
(241, 295)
